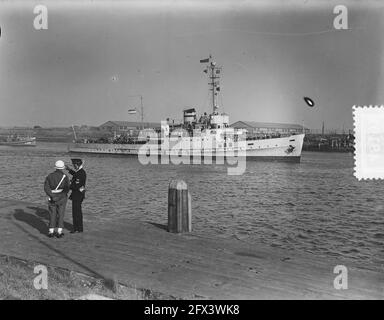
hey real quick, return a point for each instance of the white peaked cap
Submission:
(59, 164)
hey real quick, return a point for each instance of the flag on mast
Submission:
(131, 111)
(204, 60)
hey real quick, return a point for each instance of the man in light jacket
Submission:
(56, 186)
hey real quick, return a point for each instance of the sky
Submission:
(97, 57)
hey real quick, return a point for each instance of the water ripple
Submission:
(316, 206)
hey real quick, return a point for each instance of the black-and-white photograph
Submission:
(193, 151)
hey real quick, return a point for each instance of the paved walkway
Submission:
(145, 255)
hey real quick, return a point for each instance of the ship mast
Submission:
(214, 77)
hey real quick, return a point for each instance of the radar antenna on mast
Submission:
(213, 72)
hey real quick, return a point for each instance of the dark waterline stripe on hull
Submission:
(294, 159)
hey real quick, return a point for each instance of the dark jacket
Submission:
(52, 181)
(78, 181)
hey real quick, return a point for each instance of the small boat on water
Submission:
(18, 141)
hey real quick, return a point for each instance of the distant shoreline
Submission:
(65, 135)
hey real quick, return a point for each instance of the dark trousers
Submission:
(77, 212)
(56, 212)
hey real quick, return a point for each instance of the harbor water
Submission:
(315, 206)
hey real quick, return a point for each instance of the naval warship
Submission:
(210, 135)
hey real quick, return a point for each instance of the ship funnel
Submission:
(189, 116)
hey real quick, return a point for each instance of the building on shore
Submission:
(269, 128)
(128, 126)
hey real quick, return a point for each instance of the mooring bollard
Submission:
(179, 207)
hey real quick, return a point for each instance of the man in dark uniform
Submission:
(56, 186)
(78, 180)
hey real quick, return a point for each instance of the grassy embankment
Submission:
(17, 276)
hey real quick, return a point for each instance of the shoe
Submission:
(51, 234)
(59, 235)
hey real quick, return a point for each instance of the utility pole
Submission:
(142, 112)
(141, 108)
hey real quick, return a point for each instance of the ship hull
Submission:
(276, 149)
(19, 144)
